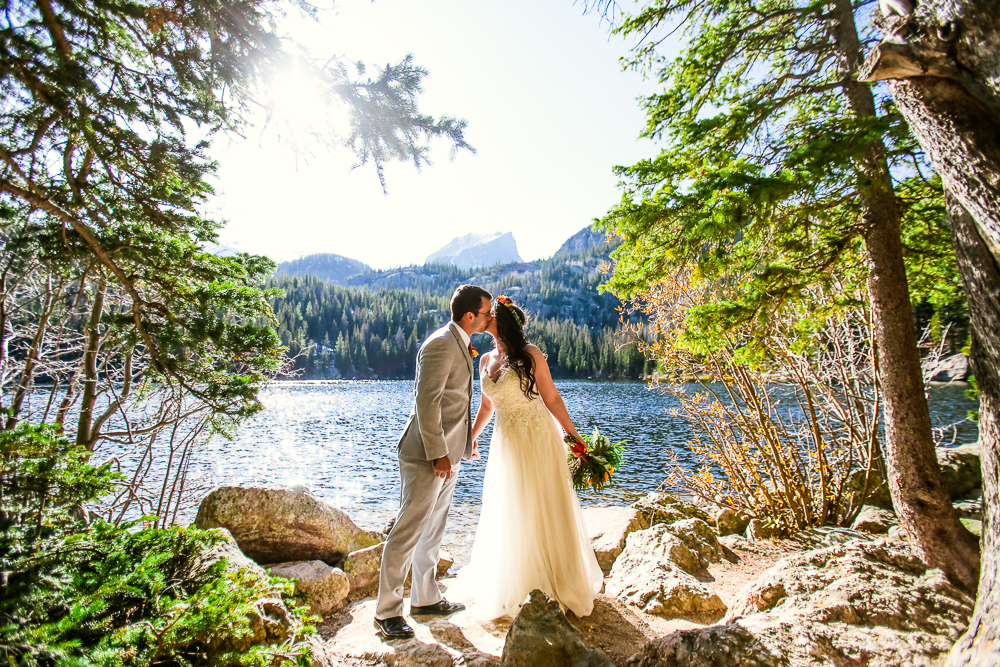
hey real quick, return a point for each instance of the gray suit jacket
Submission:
(440, 424)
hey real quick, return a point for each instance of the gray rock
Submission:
(608, 527)
(271, 622)
(970, 507)
(652, 574)
(730, 522)
(699, 538)
(665, 508)
(445, 561)
(278, 524)
(660, 543)
(226, 549)
(658, 588)
(320, 652)
(874, 520)
(320, 586)
(860, 603)
(738, 542)
(757, 530)
(415, 653)
(954, 368)
(961, 471)
(828, 536)
(540, 636)
(362, 567)
(898, 534)
(876, 489)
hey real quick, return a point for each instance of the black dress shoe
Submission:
(442, 608)
(394, 628)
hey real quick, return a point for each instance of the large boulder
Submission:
(608, 527)
(874, 520)
(226, 549)
(730, 522)
(362, 567)
(758, 530)
(869, 486)
(278, 524)
(660, 543)
(320, 586)
(665, 508)
(961, 471)
(699, 538)
(540, 636)
(858, 603)
(652, 574)
(271, 621)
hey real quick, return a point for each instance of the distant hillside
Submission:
(475, 250)
(371, 327)
(563, 287)
(585, 239)
(333, 268)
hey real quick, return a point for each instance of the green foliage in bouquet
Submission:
(592, 468)
(76, 593)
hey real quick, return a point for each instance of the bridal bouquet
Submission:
(592, 464)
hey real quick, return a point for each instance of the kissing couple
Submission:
(531, 532)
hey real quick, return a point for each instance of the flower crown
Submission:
(507, 302)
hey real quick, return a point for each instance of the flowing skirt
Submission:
(531, 532)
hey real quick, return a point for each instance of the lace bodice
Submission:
(513, 408)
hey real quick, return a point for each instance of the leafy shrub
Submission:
(74, 593)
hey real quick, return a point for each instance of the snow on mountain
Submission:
(476, 250)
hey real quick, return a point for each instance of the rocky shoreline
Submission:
(829, 596)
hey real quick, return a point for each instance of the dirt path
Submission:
(460, 639)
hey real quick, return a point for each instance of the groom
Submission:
(436, 437)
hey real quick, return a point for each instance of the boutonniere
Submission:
(473, 351)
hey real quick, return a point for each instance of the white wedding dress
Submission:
(531, 532)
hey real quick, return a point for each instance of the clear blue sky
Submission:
(550, 111)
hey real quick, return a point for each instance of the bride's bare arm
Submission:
(485, 405)
(550, 395)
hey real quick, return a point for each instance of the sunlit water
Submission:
(338, 439)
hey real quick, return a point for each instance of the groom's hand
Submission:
(442, 467)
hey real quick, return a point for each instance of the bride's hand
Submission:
(578, 453)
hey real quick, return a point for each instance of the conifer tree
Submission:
(108, 112)
(781, 168)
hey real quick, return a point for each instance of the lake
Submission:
(338, 439)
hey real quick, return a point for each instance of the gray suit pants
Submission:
(415, 538)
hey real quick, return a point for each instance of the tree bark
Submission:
(962, 137)
(981, 276)
(918, 494)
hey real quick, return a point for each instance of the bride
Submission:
(531, 532)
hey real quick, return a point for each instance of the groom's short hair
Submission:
(467, 299)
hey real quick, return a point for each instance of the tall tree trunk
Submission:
(962, 137)
(918, 494)
(981, 276)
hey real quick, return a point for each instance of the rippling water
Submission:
(338, 438)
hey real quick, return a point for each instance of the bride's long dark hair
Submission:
(510, 332)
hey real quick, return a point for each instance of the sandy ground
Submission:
(617, 630)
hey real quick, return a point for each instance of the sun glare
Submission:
(298, 108)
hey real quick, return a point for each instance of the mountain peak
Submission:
(326, 266)
(475, 250)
